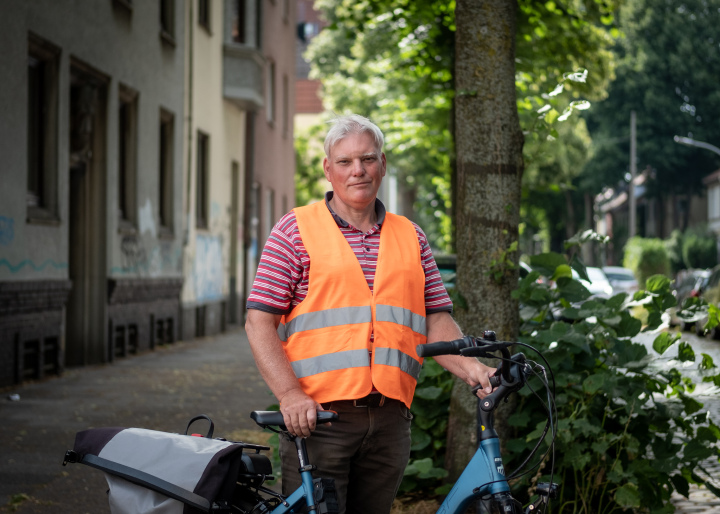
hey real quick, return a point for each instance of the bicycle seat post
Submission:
(302, 455)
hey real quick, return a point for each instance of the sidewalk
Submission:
(160, 390)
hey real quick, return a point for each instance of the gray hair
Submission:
(352, 124)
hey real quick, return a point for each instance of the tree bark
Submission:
(488, 142)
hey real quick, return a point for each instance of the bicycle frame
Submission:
(485, 468)
(305, 494)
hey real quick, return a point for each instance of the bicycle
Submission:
(484, 478)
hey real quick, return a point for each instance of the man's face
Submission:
(355, 169)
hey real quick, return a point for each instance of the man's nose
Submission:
(358, 168)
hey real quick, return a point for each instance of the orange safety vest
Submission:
(327, 336)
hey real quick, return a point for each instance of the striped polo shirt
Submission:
(282, 277)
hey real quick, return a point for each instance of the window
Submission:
(127, 156)
(238, 30)
(42, 113)
(258, 23)
(201, 187)
(204, 14)
(270, 92)
(165, 186)
(167, 21)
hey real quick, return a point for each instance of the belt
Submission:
(371, 401)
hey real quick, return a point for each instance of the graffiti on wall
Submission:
(208, 273)
(7, 230)
(160, 259)
(133, 255)
(7, 235)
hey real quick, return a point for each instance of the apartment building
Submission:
(128, 138)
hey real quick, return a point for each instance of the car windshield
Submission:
(619, 275)
(596, 275)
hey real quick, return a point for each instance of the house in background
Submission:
(130, 133)
(712, 182)
(654, 218)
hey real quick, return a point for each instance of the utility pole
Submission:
(633, 173)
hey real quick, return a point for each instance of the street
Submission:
(701, 501)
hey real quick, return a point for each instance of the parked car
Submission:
(688, 284)
(599, 285)
(621, 279)
(447, 266)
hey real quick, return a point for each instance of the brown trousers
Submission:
(365, 451)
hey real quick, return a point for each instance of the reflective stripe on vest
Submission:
(400, 316)
(392, 357)
(351, 316)
(331, 362)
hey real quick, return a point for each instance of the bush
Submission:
(699, 250)
(674, 247)
(646, 257)
(630, 434)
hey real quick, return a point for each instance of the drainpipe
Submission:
(188, 221)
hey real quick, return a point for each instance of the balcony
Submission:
(243, 76)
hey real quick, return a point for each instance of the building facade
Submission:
(125, 135)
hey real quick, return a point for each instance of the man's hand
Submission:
(479, 374)
(441, 327)
(299, 412)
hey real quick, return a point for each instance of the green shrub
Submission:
(630, 434)
(646, 257)
(699, 250)
(674, 247)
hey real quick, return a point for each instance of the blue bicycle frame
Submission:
(484, 468)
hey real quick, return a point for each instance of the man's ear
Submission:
(326, 168)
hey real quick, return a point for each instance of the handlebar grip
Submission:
(495, 381)
(442, 347)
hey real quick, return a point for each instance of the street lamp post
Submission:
(691, 142)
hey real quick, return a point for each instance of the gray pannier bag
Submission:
(151, 472)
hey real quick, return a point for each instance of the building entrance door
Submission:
(85, 325)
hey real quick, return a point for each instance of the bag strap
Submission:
(202, 416)
(150, 481)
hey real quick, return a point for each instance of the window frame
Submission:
(167, 21)
(166, 166)
(43, 65)
(205, 15)
(202, 180)
(127, 157)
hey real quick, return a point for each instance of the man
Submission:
(344, 293)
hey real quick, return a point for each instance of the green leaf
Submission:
(547, 263)
(627, 496)
(428, 393)
(696, 451)
(664, 341)
(594, 383)
(691, 404)
(686, 353)
(572, 290)
(519, 419)
(420, 439)
(707, 362)
(681, 485)
(657, 284)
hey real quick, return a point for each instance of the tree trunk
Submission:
(488, 143)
